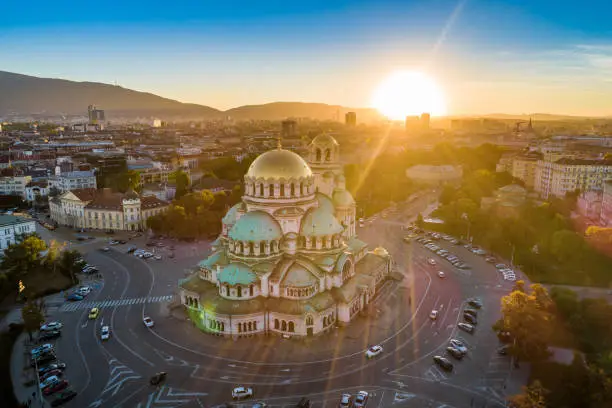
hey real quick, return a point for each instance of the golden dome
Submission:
(277, 164)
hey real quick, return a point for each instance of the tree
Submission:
(527, 322)
(32, 315)
(182, 183)
(533, 396)
(22, 257)
(420, 221)
(566, 246)
(68, 263)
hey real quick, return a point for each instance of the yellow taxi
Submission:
(94, 312)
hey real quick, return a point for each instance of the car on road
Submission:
(443, 363)
(433, 315)
(148, 321)
(346, 401)
(49, 335)
(454, 241)
(503, 350)
(239, 393)
(49, 381)
(50, 367)
(501, 266)
(147, 255)
(477, 303)
(260, 404)
(51, 326)
(45, 348)
(74, 297)
(158, 257)
(63, 384)
(84, 290)
(105, 333)
(456, 353)
(466, 327)
(490, 259)
(469, 318)
(441, 274)
(63, 397)
(373, 351)
(94, 313)
(105, 249)
(131, 249)
(431, 261)
(458, 344)
(361, 399)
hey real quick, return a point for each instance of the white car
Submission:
(361, 400)
(106, 249)
(501, 266)
(431, 261)
(441, 274)
(51, 326)
(148, 321)
(373, 351)
(433, 315)
(459, 345)
(239, 393)
(158, 257)
(105, 333)
(84, 290)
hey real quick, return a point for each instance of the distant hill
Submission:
(27, 95)
(24, 94)
(282, 110)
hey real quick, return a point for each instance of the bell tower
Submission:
(324, 160)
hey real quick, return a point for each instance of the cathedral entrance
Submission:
(309, 332)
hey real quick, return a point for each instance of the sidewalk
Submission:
(22, 375)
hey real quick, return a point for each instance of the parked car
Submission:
(433, 315)
(49, 335)
(41, 349)
(490, 259)
(441, 274)
(458, 344)
(57, 373)
(239, 393)
(477, 303)
(503, 350)
(44, 358)
(304, 403)
(63, 397)
(346, 401)
(51, 326)
(55, 366)
(361, 399)
(373, 351)
(443, 363)
(49, 381)
(466, 327)
(471, 312)
(63, 384)
(469, 318)
(457, 354)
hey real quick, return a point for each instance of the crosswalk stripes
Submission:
(73, 307)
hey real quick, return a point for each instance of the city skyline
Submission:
(504, 57)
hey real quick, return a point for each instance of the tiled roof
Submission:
(106, 201)
(151, 201)
(84, 194)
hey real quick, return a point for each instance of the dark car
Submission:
(304, 403)
(131, 249)
(43, 359)
(477, 303)
(504, 336)
(503, 350)
(63, 398)
(49, 335)
(55, 387)
(469, 318)
(443, 363)
(456, 353)
(50, 373)
(122, 241)
(158, 378)
(75, 297)
(471, 312)
(54, 366)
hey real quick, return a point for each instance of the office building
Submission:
(606, 204)
(73, 180)
(95, 115)
(350, 119)
(289, 128)
(14, 185)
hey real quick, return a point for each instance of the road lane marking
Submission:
(73, 307)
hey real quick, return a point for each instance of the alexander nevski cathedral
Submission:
(288, 261)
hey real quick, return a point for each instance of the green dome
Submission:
(320, 222)
(325, 202)
(230, 217)
(256, 226)
(343, 198)
(237, 274)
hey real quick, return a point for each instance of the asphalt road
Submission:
(202, 369)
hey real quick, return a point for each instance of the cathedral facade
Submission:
(288, 260)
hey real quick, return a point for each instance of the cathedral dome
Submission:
(324, 139)
(237, 273)
(256, 226)
(231, 215)
(325, 202)
(320, 222)
(277, 164)
(343, 198)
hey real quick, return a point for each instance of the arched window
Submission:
(309, 320)
(251, 248)
(282, 189)
(292, 190)
(251, 290)
(271, 190)
(291, 327)
(250, 326)
(227, 290)
(284, 326)
(261, 190)
(254, 325)
(346, 271)
(273, 246)
(327, 155)
(324, 321)
(239, 289)
(318, 154)
(239, 327)
(276, 324)
(301, 189)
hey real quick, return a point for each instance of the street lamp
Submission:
(469, 224)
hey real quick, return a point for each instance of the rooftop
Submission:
(6, 220)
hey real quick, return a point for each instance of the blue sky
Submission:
(487, 55)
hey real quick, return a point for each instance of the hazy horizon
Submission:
(511, 57)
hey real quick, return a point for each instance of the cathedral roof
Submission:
(343, 198)
(325, 202)
(256, 226)
(299, 275)
(237, 273)
(324, 139)
(355, 245)
(217, 258)
(230, 216)
(277, 164)
(320, 222)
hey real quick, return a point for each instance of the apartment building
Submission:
(14, 185)
(524, 168)
(73, 180)
(105, 210)
(36, 189)
(606, 205)
(11, 227)
(556, 178)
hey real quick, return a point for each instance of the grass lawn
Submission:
(45, 283)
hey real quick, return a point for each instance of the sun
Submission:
(408, 93)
